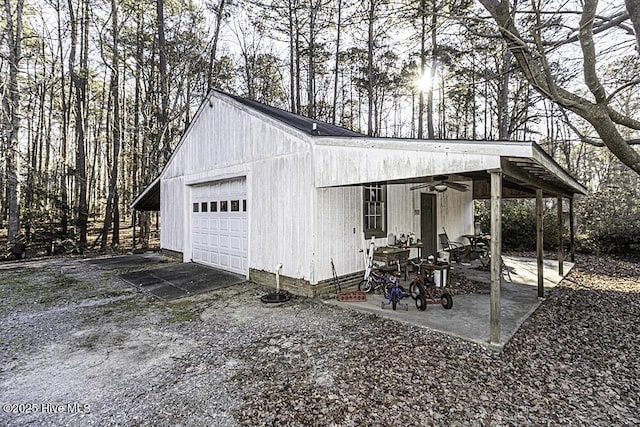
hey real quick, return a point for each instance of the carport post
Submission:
(571, 231)
(539, 235)
(560, 238)
(496, 253)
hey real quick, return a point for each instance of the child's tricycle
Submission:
(430, 288)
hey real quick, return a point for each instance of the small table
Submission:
(392, 257)
(474, 239)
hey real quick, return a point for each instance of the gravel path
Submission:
(79, 347)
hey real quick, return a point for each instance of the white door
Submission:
(219, 228)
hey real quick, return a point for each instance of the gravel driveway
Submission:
(79, 347)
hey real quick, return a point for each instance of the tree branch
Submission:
(589, 51)
(622, 119)
(621, 88)
(599, 114)
(588, 140)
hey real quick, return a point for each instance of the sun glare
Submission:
(423, 83)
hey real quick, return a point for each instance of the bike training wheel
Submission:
(365, 286)
(447, 301)
(394, 299)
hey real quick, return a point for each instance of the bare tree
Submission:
(111, 212)
(163, 119)
(12, 106)
(220, 12)
(532, 58)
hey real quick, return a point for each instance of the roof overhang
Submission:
(357, 161)
(149, 199)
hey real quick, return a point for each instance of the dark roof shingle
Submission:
(297, 121)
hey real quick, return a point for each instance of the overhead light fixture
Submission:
(440, 187)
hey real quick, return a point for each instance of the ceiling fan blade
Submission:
(416, 187)
(457, 186)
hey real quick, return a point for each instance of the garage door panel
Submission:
(224, 260)
(220, 225)
(235, 262)
(234, 225)
(235, 243)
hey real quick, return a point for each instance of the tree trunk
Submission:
(114, 86)
(337, 64)
(292, 58)
(297, 37)
(432, 78)
(79, 81)
(311, 110)
(503, 106)
(162, 137)
(423, 63)
(370, 83)
(14, 40)
(65, 99)
(214, 44)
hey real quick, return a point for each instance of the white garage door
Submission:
(219, 226)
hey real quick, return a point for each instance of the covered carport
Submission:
(497, 169)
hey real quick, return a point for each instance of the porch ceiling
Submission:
(149, 199)
(525, 166)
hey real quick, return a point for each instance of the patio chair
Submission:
(486, 264)
(456, 249)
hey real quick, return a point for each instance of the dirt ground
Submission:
(79, 347)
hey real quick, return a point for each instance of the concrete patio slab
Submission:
(127, 261)
(469, 317)
(179, 280)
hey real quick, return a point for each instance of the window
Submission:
(203, 206)
(375, 210)
(223, 206)
(196, 207)
(235, 206)
(244, 206)
(214, 206)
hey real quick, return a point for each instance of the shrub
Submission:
(519, 225)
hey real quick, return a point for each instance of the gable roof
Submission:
(302, 123)
(335, 147)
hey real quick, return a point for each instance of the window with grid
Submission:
(375, 210)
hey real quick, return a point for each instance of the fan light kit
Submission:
(440, 187)
(441, 184)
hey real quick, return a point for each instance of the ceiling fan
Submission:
(440, 184)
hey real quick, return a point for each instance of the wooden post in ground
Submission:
(539, 236)
(560, 238)
(571, 231)
(496, 254)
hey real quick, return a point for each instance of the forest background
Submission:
(96, 94)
